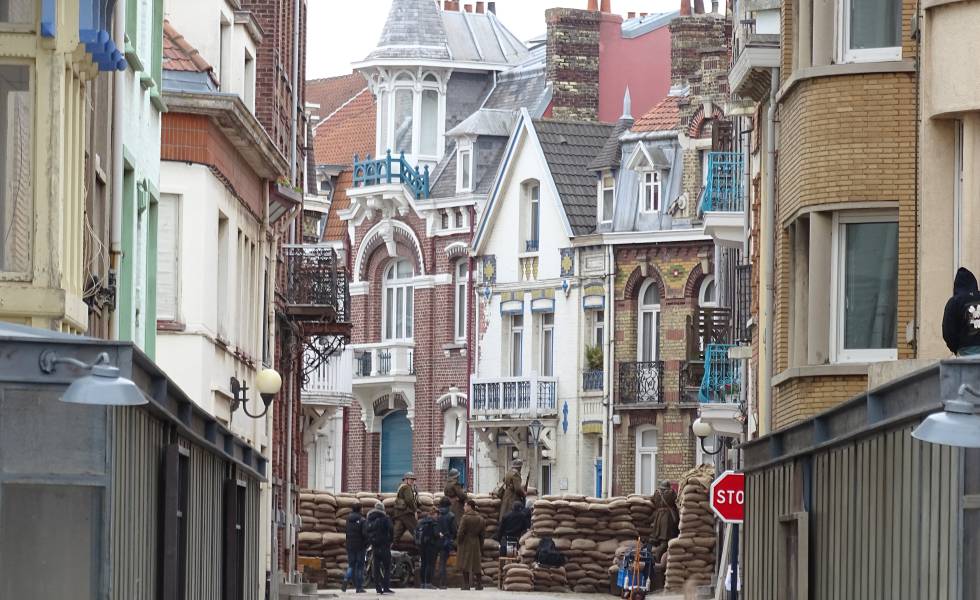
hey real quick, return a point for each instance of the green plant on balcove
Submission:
(593, 357)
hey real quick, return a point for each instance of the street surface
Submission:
(485, 594)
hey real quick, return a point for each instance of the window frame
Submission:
(644, 185)
(26, 274)
(654, 310)
(705, 283)
(406, 285)
(602, 189)
(532, 205)
(598, 333)
(460, 307)
(516, 361)
(847, 54)
(464, 156)
(418, 84)
(546, 331)
(638, 451)
(176, 199)
(839, 354)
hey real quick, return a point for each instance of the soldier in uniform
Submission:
(406, 510)
(455, 493)
(512, 490)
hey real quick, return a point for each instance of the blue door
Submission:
(396, 450)
(459, 463)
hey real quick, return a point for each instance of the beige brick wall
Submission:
(803, 397)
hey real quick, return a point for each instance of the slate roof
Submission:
(332, 92)
(418, 29)
(524, 86)
(664, 116)
(611, 154)
(444, 176)
(569, 147)
(486, 121)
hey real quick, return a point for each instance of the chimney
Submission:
(631, 15)
(685, 8)
(452, 5)
(469, 7)
(605, 7)
(714, 6)
(699, 7)
(593, 6)
(643, 15)
(572, 62)
(480, 10)
(492, 7)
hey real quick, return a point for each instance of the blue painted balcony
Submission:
(722, 203)
(388, 170)
(722, 376)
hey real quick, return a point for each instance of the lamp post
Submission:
(957, 425)
(268, 381)
(534, 432)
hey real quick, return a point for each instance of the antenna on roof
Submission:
(627, 105)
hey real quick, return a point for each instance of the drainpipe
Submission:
(295, 103)
(470, 350)
(118, 98)
(768, 248)
(607, 359)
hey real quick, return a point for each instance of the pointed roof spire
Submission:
(414, 29)
(627, 104)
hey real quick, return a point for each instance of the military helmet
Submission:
(454, 472)
(408, 475)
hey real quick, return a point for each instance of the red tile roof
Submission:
(331, 93)
(349, 131)
(665, 116)
(180, 55)
(337, 229)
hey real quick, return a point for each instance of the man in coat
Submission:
(514, 524)
(428, 539)
(379, 532)
(456, 494)
(447, 529)
(406, 511)
(664, 526)
(469, 542)
(512, 490)
(356, 550)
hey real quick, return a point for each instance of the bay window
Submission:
(410, 112)
(872, 30)
(607, 194)
(397, 301)
(651, 192)
(402, 120)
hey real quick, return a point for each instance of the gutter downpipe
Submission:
(294, 125)
(118, 98)
(769, 243)
(607, 462)
(471, 306)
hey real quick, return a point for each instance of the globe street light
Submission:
(267, 380)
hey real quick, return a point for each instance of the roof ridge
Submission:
(339, 108)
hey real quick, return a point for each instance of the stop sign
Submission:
(727, 495)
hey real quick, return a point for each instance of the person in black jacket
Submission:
(356, 550)
(514, 524)
(428, 539)
(961, 319)
(447, 529)
(380, 533)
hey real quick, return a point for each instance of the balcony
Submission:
(316, 287)
(722, 204)
(387, 171)
(641, 383)
(329, 383)
(387, 359)
(756, 54)
(514, 398)
(592, 381)
(720, 391)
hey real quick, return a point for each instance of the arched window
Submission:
(646, 460)
(398, 300)
(708, 295)
(648, 336)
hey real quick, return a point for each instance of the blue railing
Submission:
(723, 190)
(722, 376)
(377, 171)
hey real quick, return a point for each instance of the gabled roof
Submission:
(569, 147)
(665, 116)
(349, 130)
(331, 93)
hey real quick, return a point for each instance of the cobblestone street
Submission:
(486, 594)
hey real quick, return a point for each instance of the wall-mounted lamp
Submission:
(703, 429)
(102, 386)
(957, 425)
(268, 381)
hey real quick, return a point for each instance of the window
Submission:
(402, 120)
(548, 344)
(444, 219)
(168, 256)
(646, 460)
(649, 322)
(16, 167)
(607, 194)
(18, 12)
(516, 345)
(872, 30)
(173, 545)
(651, 191)
(532, 200)
(398, 297)
(410, 117)
(598, 327)
(459, 218)
(708, 295)
(224, 55)
(222, 276)
(460, 317)
(249, 96)
(866, 288)
(545, 480)
(429, 122)
(464, 170)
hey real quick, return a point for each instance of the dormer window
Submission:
(464, 167)
(650, 191)
(410, 115)
(607, 195)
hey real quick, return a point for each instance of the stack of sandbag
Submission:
(548, 579)
(322, 533)
(518, 578)
(584, 570)
(621, 518)
(692, 554)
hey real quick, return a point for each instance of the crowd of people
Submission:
(456, 524)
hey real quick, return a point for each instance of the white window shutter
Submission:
(167, 257)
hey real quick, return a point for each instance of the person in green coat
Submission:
(456, 494)
(406, 510)
(469, 544)
(512, 490)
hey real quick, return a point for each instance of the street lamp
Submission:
(534, 428)
(703, 429)
(957, 425)
(268, 381)
(102, 386)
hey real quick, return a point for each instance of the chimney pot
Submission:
(685, 8)
(605, 6)
(593, 6)
(468, 8)
(714, 6)
(643, 15)
(480, 5)
(630, 15)
(492, 7)
(699, 7)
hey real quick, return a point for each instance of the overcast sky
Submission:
(343, 31)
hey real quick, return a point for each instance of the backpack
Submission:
(426, 532)
(549, 555)
(374, 531)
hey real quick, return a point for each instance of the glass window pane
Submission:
(389, 312)
(875, 24)
(535, 219)
(50, 541)
(646, 473)
(18, 12)
(870, 285)
(430, 122)
(535, 192)
(651, 295)
(646, 337)
(403, 121)
(607, 205)
(648, 439)
(16, 167)
(409, 312)
(399, 312)
(516, 351)
(464, 169)
(547, 367)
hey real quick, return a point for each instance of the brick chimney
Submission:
(573, 62)
(685, 8)
(480, 10)
(593, 6)
(605, 7)
(699, 7)
(452, 5)
(492, 7)
(469, 7)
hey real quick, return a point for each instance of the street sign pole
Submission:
(734, 564)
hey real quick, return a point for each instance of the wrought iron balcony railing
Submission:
(379, 171)
(722, 376)
(514, 397)
(316, 285)
(641, 382)
(592, 380)
(723, 190)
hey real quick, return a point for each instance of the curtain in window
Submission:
(430, 122)
(870, 285)
(875, 24)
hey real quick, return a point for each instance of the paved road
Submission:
(486, 594)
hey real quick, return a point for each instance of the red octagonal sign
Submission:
(727, 496)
